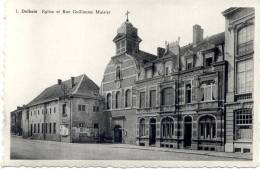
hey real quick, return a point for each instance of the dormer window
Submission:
(189, 63)
(208, 59)
(120, 47)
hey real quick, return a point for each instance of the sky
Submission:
(41, 48)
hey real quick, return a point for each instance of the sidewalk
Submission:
(247, 156)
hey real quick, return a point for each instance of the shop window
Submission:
(207, 126)
(167, 127)
(243, 124)
(142, 127)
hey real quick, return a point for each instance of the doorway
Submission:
(187, 131)
(117, 134)
(152, 133)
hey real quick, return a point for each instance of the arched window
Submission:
(108, 101)
(167, 96)
(167, 127)
(117, 99)
(142, 128)
(207, 126)
(118, 73)
(128, 98)
(245, 37)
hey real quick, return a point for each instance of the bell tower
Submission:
(127, 40)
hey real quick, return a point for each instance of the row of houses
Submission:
(198, 96)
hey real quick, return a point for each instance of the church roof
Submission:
(83, 86)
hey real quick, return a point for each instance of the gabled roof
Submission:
(83, 86)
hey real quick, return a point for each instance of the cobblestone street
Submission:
(50, 150)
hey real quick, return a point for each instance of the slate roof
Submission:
(216, 39)
(144, 56)
(82, 87)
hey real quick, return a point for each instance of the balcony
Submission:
(208, 104)
(246, 96)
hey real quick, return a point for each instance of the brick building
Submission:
(239, 37)
(70, 111)
(118, 84)
(180, 95)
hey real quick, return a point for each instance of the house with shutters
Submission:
(180, 95)
(69, 111)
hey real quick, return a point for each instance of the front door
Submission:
(187, 131)
(152, 135)
(118, 134)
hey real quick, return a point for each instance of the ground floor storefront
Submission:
(201, 130)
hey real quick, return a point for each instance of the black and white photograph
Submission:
(164, 81)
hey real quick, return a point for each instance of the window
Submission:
(128, 98)
(118, 73)
(117, 99)
(50, 110)
(167, 127)
(64, 113)
(208, 62)
(97, 109)
(54, 109)
(142, 128)
(243, 124)
(167, 71)
(189, 63)
(27, 114)
(81, 124)
(245, 38)
(142, 99)
(120, 47)
(34, 128)
(207, 92)
(83, 107)
(167, 96)
(38, 127)
(50, 128)
(108, 101)
(46, 127)
(188, 93)
(189, 66)
(207, 126)
(42, 127)
(54, 128)
(245, 76)
(153, 98)
(95, 125)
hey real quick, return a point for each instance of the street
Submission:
(50, 150)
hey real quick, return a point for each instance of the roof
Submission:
(216, 39)
(82, 87)
(229, 10)
(144, 56)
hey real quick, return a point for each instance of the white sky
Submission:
(41, 48)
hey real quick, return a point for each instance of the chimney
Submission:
(174, 47)
(59, 81)
(160, 52)
(197, 34)
(72, 81)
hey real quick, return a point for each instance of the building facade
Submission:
(16, 122)
(118, 87)
(70, 111)
(239, 37)
(180, 95)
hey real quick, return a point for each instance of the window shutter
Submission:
(200, 94)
